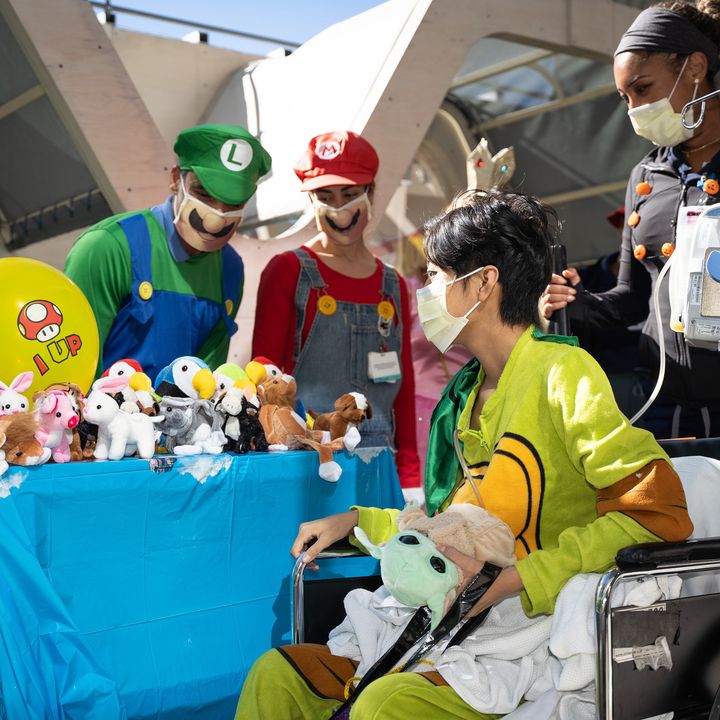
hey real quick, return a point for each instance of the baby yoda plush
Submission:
(414, 571)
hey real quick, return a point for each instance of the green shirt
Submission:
(99, 263)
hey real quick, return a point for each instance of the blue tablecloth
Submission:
(146, 589)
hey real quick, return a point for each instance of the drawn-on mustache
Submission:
(197, 224)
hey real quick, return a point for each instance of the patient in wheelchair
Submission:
(528, 429)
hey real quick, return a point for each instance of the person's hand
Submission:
(316, 535)
(559, 292)
(507, 583)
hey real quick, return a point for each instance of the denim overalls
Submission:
(156, 330)
(334, 358)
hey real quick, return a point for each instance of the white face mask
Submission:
(341, 216)
(440, 327)
(659, 123)
(193, 217)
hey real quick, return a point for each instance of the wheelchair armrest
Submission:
(342, 548)
(653, 555)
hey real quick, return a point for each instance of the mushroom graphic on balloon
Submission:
(40, 320)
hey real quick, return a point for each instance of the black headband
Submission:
(661, 30)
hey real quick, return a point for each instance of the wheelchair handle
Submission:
(650, 556)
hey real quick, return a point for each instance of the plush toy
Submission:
(20, 446)
(137, 395)
(119, 433)
(241, 425)
(350, 410)
(286, 430)
(186, 376)
(261, 367)
(187, 429)
(11, 401)
(83, 434)
(3, 463)
(416, 573)
(57, 417)
(230, 375)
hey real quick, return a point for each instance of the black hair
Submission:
(511, 231)
(705, 16)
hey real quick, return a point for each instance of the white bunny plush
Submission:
(119, 433)
(11, 401)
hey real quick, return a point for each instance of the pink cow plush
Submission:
(56, 414)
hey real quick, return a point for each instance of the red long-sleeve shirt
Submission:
(274, 336)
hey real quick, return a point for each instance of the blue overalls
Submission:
(334, 358)
(156, 330)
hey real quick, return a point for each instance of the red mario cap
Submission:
(337, 158)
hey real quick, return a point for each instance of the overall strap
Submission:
(309, 279)
(138, 239)
(233, 276)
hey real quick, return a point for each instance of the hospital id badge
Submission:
(384, 367)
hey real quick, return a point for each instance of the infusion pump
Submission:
(695, 277)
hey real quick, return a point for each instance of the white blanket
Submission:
(548, 660)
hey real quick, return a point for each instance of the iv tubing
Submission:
(661, 343)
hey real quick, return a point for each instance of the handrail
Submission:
(110, 8)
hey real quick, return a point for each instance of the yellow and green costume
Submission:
(553, 457)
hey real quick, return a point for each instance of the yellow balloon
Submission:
(46, 325)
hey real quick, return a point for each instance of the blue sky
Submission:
(292, 20)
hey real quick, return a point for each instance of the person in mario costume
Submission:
(164, 282)
(335, 316)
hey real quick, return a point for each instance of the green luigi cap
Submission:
(227, 160)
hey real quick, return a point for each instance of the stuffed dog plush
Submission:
(350, 410)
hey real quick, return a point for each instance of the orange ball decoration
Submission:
(711, 186)
(667, 249)
(633, 219)
(643, 188)
(640, 252)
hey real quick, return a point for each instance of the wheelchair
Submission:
(691, 626)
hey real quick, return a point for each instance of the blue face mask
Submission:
(440, 327)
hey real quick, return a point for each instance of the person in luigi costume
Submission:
(164, 282)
